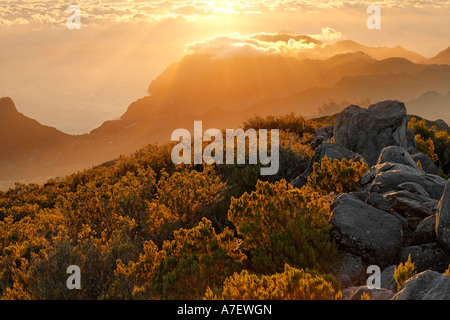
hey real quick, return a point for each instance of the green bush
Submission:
(404, 271)
(292, 284)
(196, 259)
(431, 140)
(280, 224)
(338, 176)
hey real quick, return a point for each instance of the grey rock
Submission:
(402, 220)
(410, 204)
(378, 201)
(354, 293)
(428, 285)
(397, 154)
(425, 231)
(387, 278)
(427, 164)
(351, 271)
(366, 231)
(361, 195)
(368, 131)
(426, 257)
(412, 150)
(413, 188)
(388, 176)
(443, 219)
(411, 140)
(322, 134)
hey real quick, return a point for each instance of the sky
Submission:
(76, 79)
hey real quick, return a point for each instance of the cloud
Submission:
(259, 44)
(328, 34)
(231, 45)
(15, 12)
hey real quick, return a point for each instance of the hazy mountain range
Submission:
(223, 92)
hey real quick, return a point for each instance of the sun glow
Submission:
(222, 7)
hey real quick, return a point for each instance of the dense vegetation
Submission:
(140, 227)
(433, 139)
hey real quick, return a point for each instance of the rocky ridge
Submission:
(401, 208)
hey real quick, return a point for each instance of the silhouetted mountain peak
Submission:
(445, 52)
(7, 107)
(351, 57)
(348, 44)
(442, 57)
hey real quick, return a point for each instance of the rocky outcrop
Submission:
(428, 285)
(426, 163)
(413, 207)
(397, 154)
(413, 188)
(443, 219)
(368, 131)
(402, 208)
(388, 176)
(373, 234)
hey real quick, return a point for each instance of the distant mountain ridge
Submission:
(441, 58)
(378, 53)
(437, 105)
(29, 135)
(221, 93)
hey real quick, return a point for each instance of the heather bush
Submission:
(185, 267)
(404, 271)
(338, 176)
(292, 284)
(280, 224)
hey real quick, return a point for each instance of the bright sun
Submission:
(222, 7)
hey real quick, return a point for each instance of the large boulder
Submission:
(412, 206)
(366, 231)
(428, 285)
(425, 231)
(388, 176)
(397, 154)
(443, 219)
(330, 150)
(413, 188)
(427, 164)
(368, 131)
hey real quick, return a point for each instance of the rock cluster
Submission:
(401, 208)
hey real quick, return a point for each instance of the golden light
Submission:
(222, 7)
